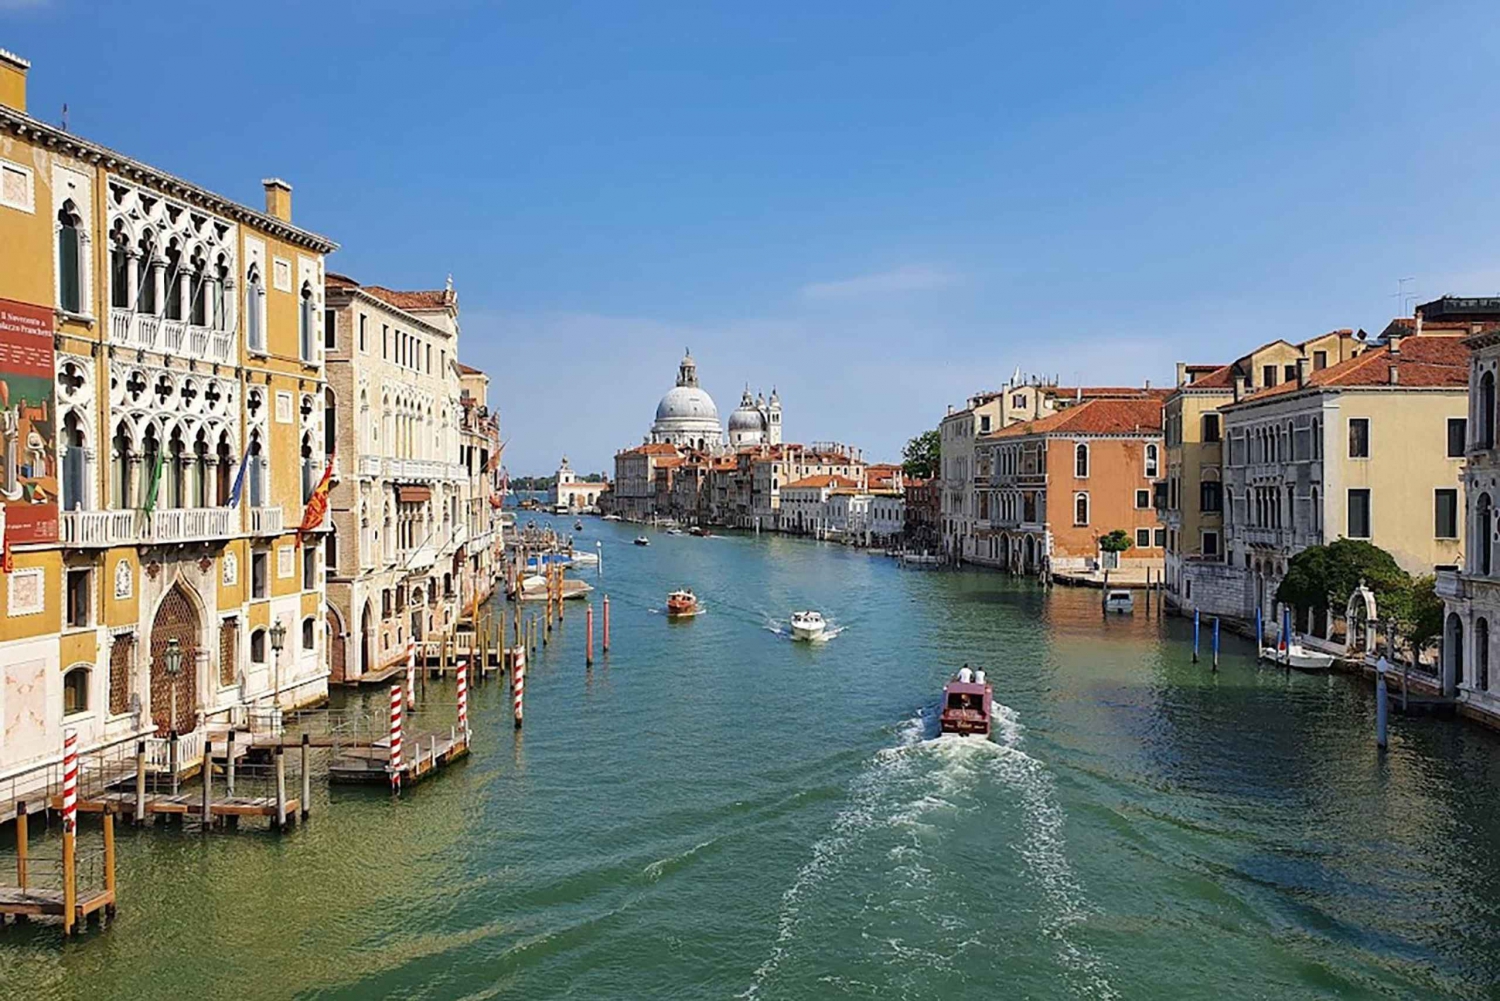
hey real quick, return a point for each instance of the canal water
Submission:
(714, 811)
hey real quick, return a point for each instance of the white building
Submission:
(573, 494)
(686, 416)
(756, 421)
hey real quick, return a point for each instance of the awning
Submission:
(413, 495)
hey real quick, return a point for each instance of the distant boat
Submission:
(967, 702)
(674, 531)
(611, 517)
(682, 603)
(1119, 600)
(808, 625)
(1298, 656)
(641, 540)
(578, 524)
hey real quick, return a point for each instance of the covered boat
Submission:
(807, 625)
(681, 603)
(967, 701)
(1298, 656)
(641, 540)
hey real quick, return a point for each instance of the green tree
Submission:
(1321, 577)
(922, 455)
(1115, 542)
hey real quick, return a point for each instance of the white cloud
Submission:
(911, 278)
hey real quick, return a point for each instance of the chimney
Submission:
(1182, 373)
(1418, 332)
(13, 80)
(278, 198)
(1394, 343)
(1239, 387)
(1394, 373)
(1148, 385)
(1302, 364)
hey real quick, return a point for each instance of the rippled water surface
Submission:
(714, 811)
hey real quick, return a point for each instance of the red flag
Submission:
(7, 558)
(317, 504)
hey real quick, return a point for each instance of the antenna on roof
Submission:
(65, 116)
(1401, 295)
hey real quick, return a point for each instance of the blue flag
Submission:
(239, 481)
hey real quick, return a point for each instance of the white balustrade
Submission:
(120, 327)
(99, 528)
(265, 521)
(197, 342)
(173, 336)
(147, 332)
(193, 524)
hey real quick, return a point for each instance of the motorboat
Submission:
(641, 540)
(700, 532)
(967, 702)
(611, 517)
(584, 558)
(674, 531)
(808, 626)
(577, 524)
(1119, 600)
(1296, 655)
(681, 603)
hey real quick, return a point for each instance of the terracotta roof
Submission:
(1138, 416)
(1103, 392)
(820, 481)
(425, 299)
(469, 369)
(1424, 362)
(652, 448)
(337, 280)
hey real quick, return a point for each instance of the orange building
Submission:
(1049, 489)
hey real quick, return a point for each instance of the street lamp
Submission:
(278, 640)
(174, 668)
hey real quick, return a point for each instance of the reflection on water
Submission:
(712, 811)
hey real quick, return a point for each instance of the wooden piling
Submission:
(588, 658)
(606, 624)
(70, 881)
(306, 775)
(109, 859)
(21, 846)
(173, 759)
(280, 789)
(140, 782)
(229, 764)
(208, 782)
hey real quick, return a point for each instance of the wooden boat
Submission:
(681, 603)
(808, 626)
(967, 701)
(641, 540)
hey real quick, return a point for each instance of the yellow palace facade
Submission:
(162, 423)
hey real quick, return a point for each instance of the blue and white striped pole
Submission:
(1216, 642)
(1195, 635)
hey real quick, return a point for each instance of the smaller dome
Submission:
(745, 419)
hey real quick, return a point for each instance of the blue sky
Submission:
(878, 208)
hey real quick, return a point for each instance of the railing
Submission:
(191, 524)
(128, 328)
(421, 559)
(197, 341)
(120, 327)
(173, 336)
(147, 331)
(189, 751)
(265, 521)
(423, 469)
(99, 528)
(221, 347)
(368, 465)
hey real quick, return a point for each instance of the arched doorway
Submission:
(1482, 654)
(1453, 653)
(336, 665)
(176, 618)
(1030, 553)
(366, 639)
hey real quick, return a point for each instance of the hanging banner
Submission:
(28, 425)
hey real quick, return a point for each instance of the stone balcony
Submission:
(1451, 585)
(422, 470)
(367, 465)
(87, 529)
(264, 521)
(148, 332)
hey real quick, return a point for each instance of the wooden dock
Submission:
(37, 902)
(183, 805)
(425, 754)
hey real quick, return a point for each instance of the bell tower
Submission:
(773, 419)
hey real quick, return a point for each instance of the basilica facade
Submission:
(688, 419)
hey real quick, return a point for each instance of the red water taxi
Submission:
(681, 603)
(966, 704)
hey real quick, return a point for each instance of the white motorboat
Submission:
(611, 517)
(584, 558)
(674, 531)
(1298, 656)
(807, 625)
(1119, 600)
(641, 540)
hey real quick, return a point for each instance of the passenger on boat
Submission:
(965, 675)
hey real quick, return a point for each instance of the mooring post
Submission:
(606, 624)
(1381, 710)
(109, 858)
(1104, 596)
(306, 775)
(70, 829)
(1148, 591)
(280, 788)
(172, 759)
(70, 880)
(229, 765)
(140, 782)
(208, 782)
(1216, 642)
(21, 845)
(1195, 636)
(588, 658)
(518, 687)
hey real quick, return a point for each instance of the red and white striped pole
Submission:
(70, 782)
(588, 657)
(396, 738)
(463, 698)
(518, 684)
(411, 675)
(606, 623)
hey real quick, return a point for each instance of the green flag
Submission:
(154, 483)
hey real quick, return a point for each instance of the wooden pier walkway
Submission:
(424, 755)
(188, 804)
(38, 902)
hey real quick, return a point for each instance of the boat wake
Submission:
(916, 792)
(783, 629)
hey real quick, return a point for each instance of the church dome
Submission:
(687, 403)
(746, 417)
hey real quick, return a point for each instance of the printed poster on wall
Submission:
(28, 426)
